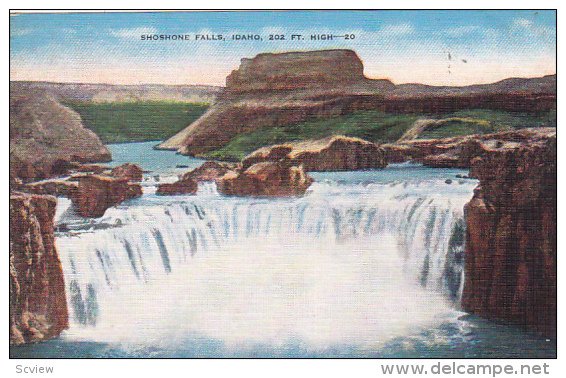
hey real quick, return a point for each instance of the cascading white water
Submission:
(347, 263)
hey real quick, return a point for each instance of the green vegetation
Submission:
(377, 126)
(484, 121)
(118, 122)
(370, 125)
(158, 120)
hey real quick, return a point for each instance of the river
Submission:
(366, 264)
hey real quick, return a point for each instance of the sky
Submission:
(429, 47)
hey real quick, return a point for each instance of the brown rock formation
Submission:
(281, 89)
(511, 235)
(210, 171)
(336, 153)
(131, 172)
(54, 187)
(296, 70)
(188, 183)
(88, 168)
(96, 193)
(45, 137)
(458, 152)
(266, 179)
(38, 307)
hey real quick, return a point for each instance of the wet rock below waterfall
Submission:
(38, 306)
(188, 182)
(266, 179)
(182, 186)
(96, 193)
(132, 172)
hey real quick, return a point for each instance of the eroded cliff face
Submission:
(47, 137)
(296, 70)
(279, 89)
(38, 307)
(511, 236)
(459, 152)
(283, 89)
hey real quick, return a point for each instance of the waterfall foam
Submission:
(346, 264)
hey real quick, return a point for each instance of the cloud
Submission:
(132, 32)
(396, 30)
(530, 27)
(460, 31)
(20, 32)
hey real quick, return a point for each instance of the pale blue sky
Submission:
(404, 46)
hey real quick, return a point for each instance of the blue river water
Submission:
(366, 264)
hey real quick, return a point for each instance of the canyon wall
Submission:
(296, 70)
(511, 236)
(101, 93)
(46, 137)
(38, 307)
(281, 89)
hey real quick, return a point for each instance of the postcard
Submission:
(283, 184)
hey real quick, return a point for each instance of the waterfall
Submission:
(346, 262)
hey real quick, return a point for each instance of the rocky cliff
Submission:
(511, 235)
(296, 70)
(38, 307)
(459, 152)
(282, 89)
(45, 137)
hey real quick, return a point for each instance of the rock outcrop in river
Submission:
(337, 153)
(458, 152)
(511, 235)
(188, 183)
(38, 307)
(129, 171)
(97, 192)
(269, 178)
(46, 137)
(282, 89)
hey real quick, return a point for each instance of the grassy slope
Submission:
(369, 125)
(137, 121)
(154, 120)
(483, 121)
(382, 127)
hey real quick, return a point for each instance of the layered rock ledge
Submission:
(96, 193)
(336, 153)
(510, 271)
(269, 178)
(281, 89)
(38, 306)
(458, 152)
